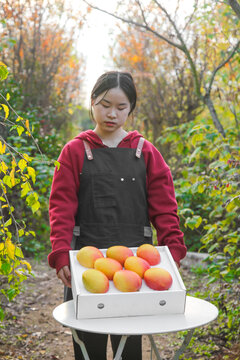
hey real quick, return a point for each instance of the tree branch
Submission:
(146, 27)
(221, 65)
(235, 6)
(10, 107)
(191, 16)
(142, 12)
(184, 49)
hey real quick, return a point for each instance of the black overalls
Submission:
(112, 210)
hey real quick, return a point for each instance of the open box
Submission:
(115, 303)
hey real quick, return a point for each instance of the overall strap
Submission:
(88, 150)
(139, 147)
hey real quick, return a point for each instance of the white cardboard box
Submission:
(115, 303)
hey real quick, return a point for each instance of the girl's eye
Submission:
(121, 109)
(105, 106)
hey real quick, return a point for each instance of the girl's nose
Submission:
(112, 113)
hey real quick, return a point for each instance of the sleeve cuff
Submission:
(60, 260)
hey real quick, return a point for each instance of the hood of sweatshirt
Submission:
(92, 138)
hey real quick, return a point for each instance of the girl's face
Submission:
(110, 111)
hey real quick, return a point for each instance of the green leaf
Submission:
(20, 232)
(6, 268)
(18, 252)
(25, 189)
(3, 71)
(31, 199)
(197, 138)
(200, 188)
(32, 173)
(57, 164)
(230, 249)
(235, 202)
(22, 164)
(35, 206)
(193, 222)
(20, 129)
(11, 293)
(2, 314)
(8, 222)
(194, 154)
(8, 181)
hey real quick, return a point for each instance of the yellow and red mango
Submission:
(158, 279)
(150, 253)
(95, 281)
(108, 266)
(119, 253)
(87, 256)
(136, 264)
(127, 281)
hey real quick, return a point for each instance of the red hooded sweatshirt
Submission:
(63, 205)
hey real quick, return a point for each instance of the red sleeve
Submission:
(63, 203)
(162, 202)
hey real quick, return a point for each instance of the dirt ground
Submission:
(30, 331)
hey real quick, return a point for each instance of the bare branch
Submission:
(173, 24)
(12, 149)
(146, 27)
(10, 107)
(142, 12)
(221, 65)
(191, 16)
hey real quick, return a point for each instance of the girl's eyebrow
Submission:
(109, 102)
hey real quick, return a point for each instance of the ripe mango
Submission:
(158, 279)
(108, 266)
(127, 281)
(150, 253)
(87, 255)
(136, 264)
(119, 253)
(95, 281)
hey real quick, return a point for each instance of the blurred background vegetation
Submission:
(187, 73)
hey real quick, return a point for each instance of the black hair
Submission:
(114, 79)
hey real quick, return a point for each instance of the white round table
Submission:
(197, 313)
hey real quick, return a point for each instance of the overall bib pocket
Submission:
(103, 190)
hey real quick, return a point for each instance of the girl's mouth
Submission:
(109, 123)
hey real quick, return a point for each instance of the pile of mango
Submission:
(123, 268)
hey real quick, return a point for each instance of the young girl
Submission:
(110, 186)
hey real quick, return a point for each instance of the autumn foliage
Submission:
(42, 58)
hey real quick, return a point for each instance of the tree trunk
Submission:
(211, 108)
(235, 6)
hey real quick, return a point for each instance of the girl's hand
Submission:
(64, 274)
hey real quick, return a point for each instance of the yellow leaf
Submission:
(3, 167)
(2, 148)
(24, 262)
(14, 164)
(27, 157)
(27, 124)
(22, 164)
(12, 173)
(70, 111)
(8, 97)
(32, 173)
(6, 110)
(2, 64)
(19, 119)
(1, 246)
(10, 249)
